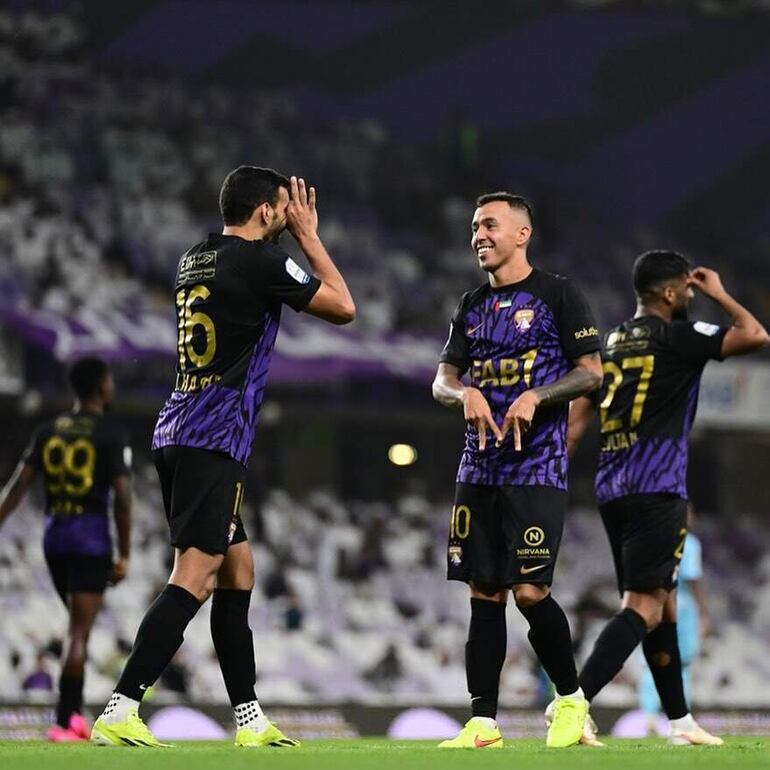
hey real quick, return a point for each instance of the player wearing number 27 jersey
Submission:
(653, 364)
(229, 293)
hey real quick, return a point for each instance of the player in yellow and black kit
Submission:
(85, 461)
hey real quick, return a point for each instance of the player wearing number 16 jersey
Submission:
(84, 460)
(653, 364)
(529, 341)
(229, 292)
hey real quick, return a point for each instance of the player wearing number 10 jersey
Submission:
(529, 341)
(84, 460)
(228, 294)
(653, 364)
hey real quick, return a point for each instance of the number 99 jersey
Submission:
(647, 403)
(80, 455)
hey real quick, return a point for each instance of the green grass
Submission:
(382, 754)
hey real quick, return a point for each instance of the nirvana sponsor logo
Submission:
(523, 319)
(533, 553)
(456, 554)
(534, 536)
(591, 331)
(197, 267)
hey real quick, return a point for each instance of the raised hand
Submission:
(479, 415)
(706, 281)
(519, 417)
(301, 213)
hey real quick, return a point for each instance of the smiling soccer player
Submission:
(530, 343)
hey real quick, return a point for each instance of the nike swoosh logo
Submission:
(468, 332)
(527, 570)
(481, 744)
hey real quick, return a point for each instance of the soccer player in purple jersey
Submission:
(653, 363)
(530, 343)
(229, 291)
(84, 459)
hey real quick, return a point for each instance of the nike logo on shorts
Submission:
(527, 570)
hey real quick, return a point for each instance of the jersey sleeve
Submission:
(698, 341)
(457, 350)
(691, 566)
(577, 326)
(33, 454)
(276, 276)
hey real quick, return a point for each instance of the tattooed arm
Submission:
(585, 377)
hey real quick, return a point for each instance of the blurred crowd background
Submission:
(629, 125)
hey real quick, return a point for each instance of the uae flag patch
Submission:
(501, 304)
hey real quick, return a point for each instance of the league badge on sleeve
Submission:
(296, 272)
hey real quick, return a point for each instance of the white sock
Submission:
(488, 722)
(577, 695)
(250, 715)
(118, 708)
(685, 723)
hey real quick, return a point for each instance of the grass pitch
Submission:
(382, 754)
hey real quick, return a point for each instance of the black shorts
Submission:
(202, 494)
(501, 536)
(647, 535)
(74, 573)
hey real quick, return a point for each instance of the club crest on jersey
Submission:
(456, 555)
(523, 319)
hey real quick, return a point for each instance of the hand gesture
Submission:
(519, 417)
(707, 281)
(301, 214)
(119, 570)
(479, 415)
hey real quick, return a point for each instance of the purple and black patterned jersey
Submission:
(647, 403)
(80, 455)
(228, 295)
(511, 339)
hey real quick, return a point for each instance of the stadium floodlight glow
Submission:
(402, 454)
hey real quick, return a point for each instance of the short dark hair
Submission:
(654, 268)
(86, 376)
(247, 187)
(514, 201)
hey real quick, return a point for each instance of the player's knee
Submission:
(486, 590)
(527, 595)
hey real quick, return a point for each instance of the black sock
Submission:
(551, 640)
(616, 642)
(661, 649)
(485, 655)
(234, 643)
(159, 636)
(70, 698)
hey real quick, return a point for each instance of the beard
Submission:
(680, 313)
(276, 230)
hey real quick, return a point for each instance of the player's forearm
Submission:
(743, 319)
(581, 412)
(325, 270)
(122, 515)
(577, 382)
(449, 391)
(699, 594)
